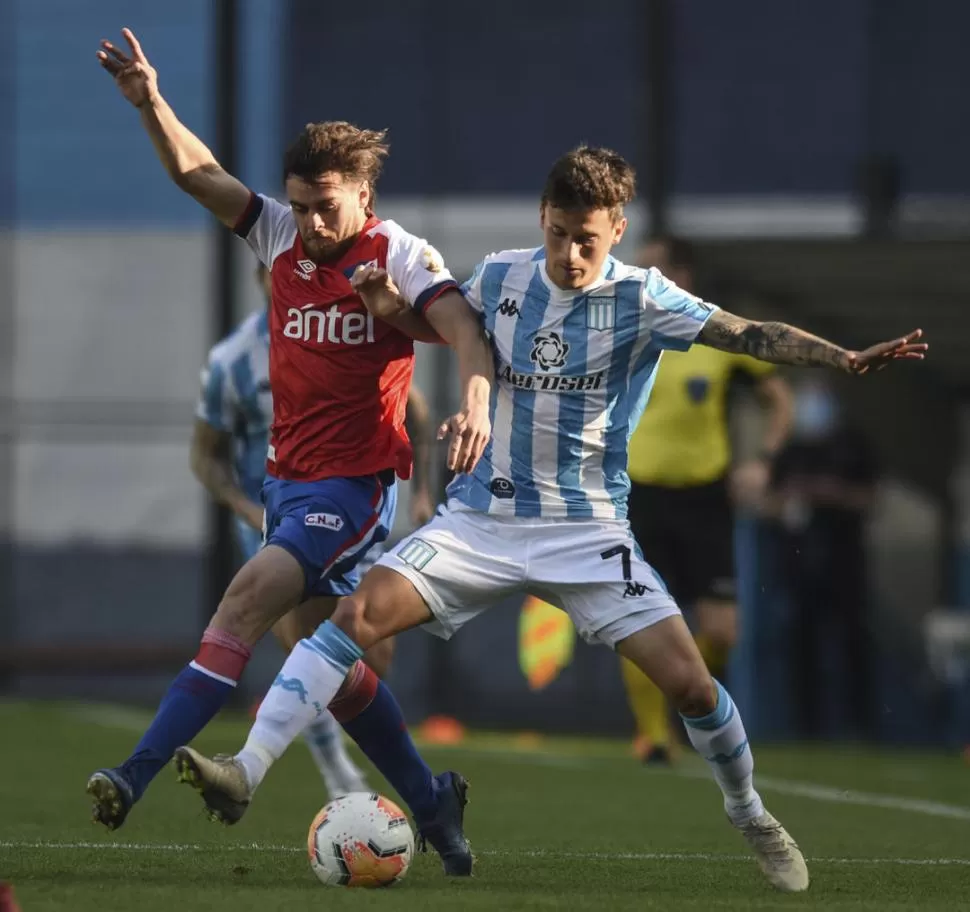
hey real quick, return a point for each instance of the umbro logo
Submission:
(305, 269)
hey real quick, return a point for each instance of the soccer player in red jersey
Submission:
(339, 380)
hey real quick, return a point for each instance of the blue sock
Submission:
(192, 699)
(381, 733)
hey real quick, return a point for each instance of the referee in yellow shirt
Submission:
(682, 489)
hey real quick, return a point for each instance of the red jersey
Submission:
(339, 378)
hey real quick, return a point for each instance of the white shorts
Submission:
(463, 561)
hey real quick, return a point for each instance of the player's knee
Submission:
(694, 694)
(248, 609)
(359, 617)
(240, 615)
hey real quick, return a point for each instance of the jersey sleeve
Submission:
(471, 288)
(416, 268)
(673, 316)
(218, 402)
(267, 226)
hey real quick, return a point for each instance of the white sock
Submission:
(721, 740)
(340, 774)
(308, 681)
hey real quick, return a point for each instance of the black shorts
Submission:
(687, 536)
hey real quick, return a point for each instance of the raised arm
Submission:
(188, 161)
(780, 343)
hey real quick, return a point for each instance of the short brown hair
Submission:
(590, 178)
(336, 145)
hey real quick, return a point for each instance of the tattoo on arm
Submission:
(778, 343)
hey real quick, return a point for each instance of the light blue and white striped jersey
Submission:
(236, 398)
(574, 372)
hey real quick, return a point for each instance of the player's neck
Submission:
(571, 291)
(339, 251)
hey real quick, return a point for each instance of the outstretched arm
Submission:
(780, 343)
(188, 161)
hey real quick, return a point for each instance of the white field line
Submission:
(119, 717)
(266, 848)
(834, 795)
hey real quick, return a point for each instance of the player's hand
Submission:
(134, 75)
(877, 357)
(377, 290)
(470, 431)
(421, 508)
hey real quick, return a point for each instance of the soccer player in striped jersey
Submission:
(577, 337)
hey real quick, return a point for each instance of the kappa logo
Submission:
(509, 308)
(635, 590)
(296, 686)
(324, 521)
(292, 685)
(305, 269)
(549, 350)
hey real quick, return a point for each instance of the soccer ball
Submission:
(360, 840)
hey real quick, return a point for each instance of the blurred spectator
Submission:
(823, 485)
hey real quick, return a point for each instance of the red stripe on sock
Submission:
(223, 654)
(356, 693)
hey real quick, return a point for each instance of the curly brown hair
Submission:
(590, 178)
(338, 146)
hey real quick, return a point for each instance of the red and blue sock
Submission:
(193, 698)
(367, 710)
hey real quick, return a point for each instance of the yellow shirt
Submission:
(682, 439)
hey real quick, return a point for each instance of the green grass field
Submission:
(555, 823)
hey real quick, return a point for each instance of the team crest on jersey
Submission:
(600, 312)
(549, 350)
(697, 389)
(431, 260)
